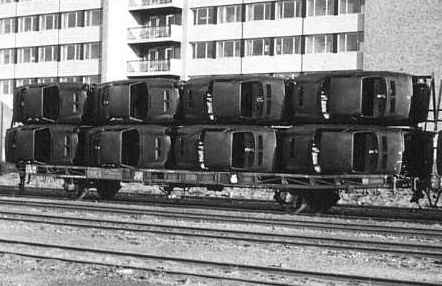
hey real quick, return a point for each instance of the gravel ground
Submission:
(25, 271)
(18, 270)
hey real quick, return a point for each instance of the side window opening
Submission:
(392, 96)
(269, 99)
(157, 148)
(166, 100)
(67, 146)
(260, 150)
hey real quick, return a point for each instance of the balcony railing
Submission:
(144, 3)
(148, 66)
(142, 33)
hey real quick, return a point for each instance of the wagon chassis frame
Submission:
(184, 178)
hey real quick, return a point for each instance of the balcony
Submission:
(135, 5)
(171, 33)
(157, 67)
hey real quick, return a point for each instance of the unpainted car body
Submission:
(48, 103)
(339, 149)
(141, 146)
(374, 97)
(244, 99)
(130, 101)
(50, 144)
(226, 148)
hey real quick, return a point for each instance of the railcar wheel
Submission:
(291, 201)
(322, 201)
(80, 191)
(107, 189)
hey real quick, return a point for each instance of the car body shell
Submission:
(153, 100)
(226, 148)
(141, 146)
(48, 103)
(50, 144)
(373, 97)
(244, 99)
(340, 149)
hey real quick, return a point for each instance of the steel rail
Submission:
(282, 222)
(284, 272)
(399, 248)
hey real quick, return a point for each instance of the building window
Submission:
(320, 7)
(319, 44)
(203, 50)
(71, 79)
(27, 55)
(203, 16)
(259, 11)
(91, 79)
(48, 22)
(350, 6)
(7, 26)
(288, 9)
(229, 14)
(7, 56)
(287, 45)
(48, 54)
(27, 24)
(6, 86)
(350, 42)
(72, 19)
(258, 47)
(47, 80)
(25, 81)
(92, 51)
(6, 1)
(92, 18)
(228, 49)
(71, 52)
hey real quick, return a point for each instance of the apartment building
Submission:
(97, 40)
(48, 41)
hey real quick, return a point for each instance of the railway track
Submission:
(432, 251)
(428, 215)
(192, 267)
(296, 222)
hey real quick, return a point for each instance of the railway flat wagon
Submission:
(141, 146)
(338, 149)
(49, 144)
(134, 101)
(244, 99)
(374, 97)
(50, 103)
(235, 148)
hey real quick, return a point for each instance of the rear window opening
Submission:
(365, 152)
(138, 101)
(130, 148)
(51, 102)
(243, 150)
(42, 147)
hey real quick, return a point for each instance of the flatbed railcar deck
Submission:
(183, 178)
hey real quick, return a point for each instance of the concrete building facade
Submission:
(98, 40)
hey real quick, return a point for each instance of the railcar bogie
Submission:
(49, 103)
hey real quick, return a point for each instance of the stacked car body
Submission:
(163, 123)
